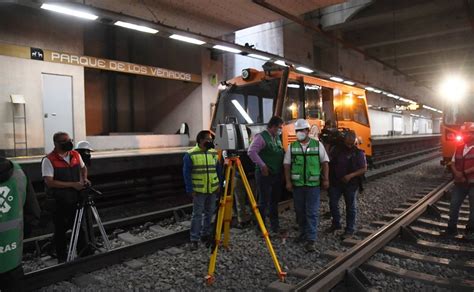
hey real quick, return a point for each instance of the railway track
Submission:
(419, 223)
(62, 272)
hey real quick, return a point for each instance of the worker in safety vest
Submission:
(202, 178)
(463, 171)
(17, 200)
(306, 169)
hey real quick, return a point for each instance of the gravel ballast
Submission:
(247, 265)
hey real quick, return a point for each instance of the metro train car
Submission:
(455, 115)
(255, 96)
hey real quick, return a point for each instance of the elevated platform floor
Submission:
(109, 162)
(383, 140)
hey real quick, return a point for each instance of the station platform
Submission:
(110, 162)
(384, 140)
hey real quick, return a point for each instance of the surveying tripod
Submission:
(224, 217)
(85, 205)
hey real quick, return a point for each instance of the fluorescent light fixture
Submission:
(370, 105)
(369, 88)
(335, 78)
(258, 57)
(69, 11)
(385, 93)
(454, 86)
(281, 63)
(186, 39)
(304, 69)
(377, 91)
(290, 85)
(227, 49)
(349, 82)
(136, 27)
(242, 111)
(312, 87)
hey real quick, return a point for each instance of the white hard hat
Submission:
(84, 145)
(301, 124)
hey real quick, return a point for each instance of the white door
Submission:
(57, 107)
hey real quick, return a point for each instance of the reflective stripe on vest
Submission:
(12, 198)
(305, 166)
(204, 172)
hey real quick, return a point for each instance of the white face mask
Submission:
(301, 136)
(279, 132)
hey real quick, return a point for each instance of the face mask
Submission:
(279, 132)
(209, 145)
(301, 136)
(66, 146)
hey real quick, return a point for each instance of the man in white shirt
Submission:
(64, 174)
(306, 169)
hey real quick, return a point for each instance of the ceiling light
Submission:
(281, 63)
(69, 11)
(258, 57)
(337, 79)
(136, 27)
(377, 91)
(349, 82)
(304, 69)
(369, 88)
(293, 85)
(455, 87)
(186, 39)
(227, 49)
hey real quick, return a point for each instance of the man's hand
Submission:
(87, 182)
(265, 171)
(289, 186)
(77, 185)
(325, 184)
(346, 178)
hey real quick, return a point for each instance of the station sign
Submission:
(96, 63)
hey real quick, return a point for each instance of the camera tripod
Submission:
(85, 205)
(224, 217)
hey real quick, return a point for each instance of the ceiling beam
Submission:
(461, 57)
(417, 29)
(384, 12)
(421, 47)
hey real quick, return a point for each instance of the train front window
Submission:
(246, 104)
(302, 101)
(457, 114)
(351, 107)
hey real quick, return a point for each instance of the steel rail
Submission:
(360, 253)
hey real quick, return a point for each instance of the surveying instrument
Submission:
(233, 137)
(86, 205)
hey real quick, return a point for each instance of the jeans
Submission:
(306, 201)
(350, 197)
(203, 209)
(240, 195)
(458, 194)
(269, 190)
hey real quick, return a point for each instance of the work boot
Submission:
(450, 232)
(310, 246)
(332, 229)
(194, 245)
(347, 235)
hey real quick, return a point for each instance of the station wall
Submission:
(142, 105)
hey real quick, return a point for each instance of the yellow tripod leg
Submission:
(220, 219)
(228, 204)
(281, 274)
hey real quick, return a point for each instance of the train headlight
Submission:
(246, 74)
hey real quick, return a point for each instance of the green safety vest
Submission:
(273, 153)
(204, 172)
(12, 199)
(305, 166)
